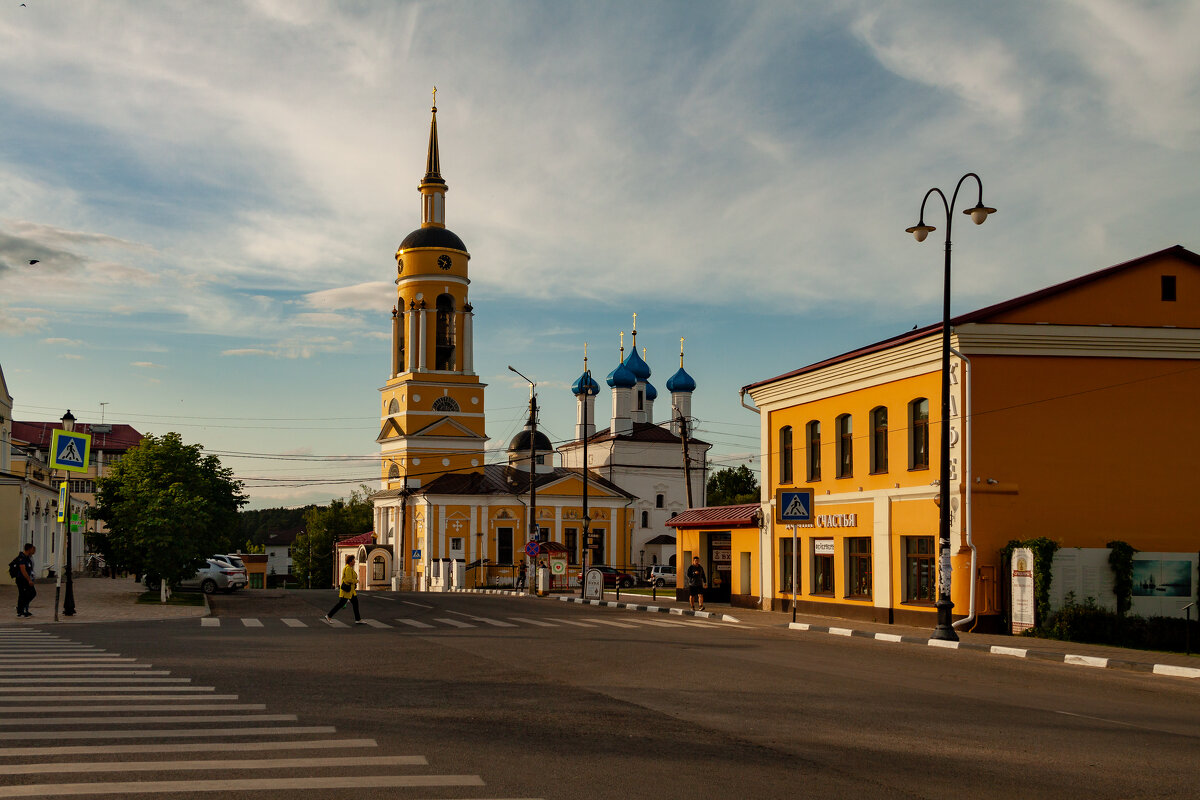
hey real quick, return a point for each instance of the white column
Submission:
(467, 344)
(421, 350)
(411, 343)
(881, 552)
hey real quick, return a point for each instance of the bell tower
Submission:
(431, 406)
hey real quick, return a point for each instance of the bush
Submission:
(1088, 623)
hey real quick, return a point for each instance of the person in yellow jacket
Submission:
(347, 593)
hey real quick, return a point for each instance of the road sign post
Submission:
(69, 451)
(793, 508)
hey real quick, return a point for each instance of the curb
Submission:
(610, 604)
(1017, 652)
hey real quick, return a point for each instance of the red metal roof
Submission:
(355, 541)
(119, 439)
(742, 516)
(1179, 251)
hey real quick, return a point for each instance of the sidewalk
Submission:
(96, 600)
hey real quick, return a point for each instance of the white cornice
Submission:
(1086, 341)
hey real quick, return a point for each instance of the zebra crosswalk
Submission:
(95, 730)
(458, 622)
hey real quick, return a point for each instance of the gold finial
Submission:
(643, 354)
(435, 98)
(634, 332)
(622, 345)
(681, 351)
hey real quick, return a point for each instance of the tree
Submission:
(312, 552)
(732, 486)
(168, 506)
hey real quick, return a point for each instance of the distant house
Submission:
(279, 550)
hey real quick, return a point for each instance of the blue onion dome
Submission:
(585, 384)
(635, 364)
(651, 392)
(681, 382)
(621, 378)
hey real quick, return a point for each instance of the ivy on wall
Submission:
(1043, 550)
(1120, 559)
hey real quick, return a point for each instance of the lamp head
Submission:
(68, 421)
(920, 230)
(979, 213)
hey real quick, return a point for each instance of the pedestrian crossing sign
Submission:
(70, 450)
(793, 506)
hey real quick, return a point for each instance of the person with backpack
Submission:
(21, 569)
(696, 579)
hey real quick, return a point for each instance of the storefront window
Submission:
(858, 567)
(920, 573)
(822, 565)
(786, 562)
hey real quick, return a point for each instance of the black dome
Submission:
(520, 442)
(433, 237)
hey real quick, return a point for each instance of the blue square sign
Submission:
(793, 506)
(70, 451)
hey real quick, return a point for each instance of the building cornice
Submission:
(1076, 341)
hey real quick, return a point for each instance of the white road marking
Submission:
(539, 623)
(337, 623)
(83, 670)
(48, 707)
(580, 624)
(96, 680)
(614, 623)
(165, 734)
(1086, 661)
(292, 622)
(1178, 672)
(210, 622)
(211, 764)
(412, 623)
(1009, 651)
(168, 788)
(122, 697)
(494, 622)
(889, 637)
(418, 605)
(108, 719)
(97, 659)
(41, 665)
(251, 622)
(374, 623)
(457, 623)
(36, 689)
(186, 747)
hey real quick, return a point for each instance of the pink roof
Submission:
(742, 516)
(120, 438)
(355, 541)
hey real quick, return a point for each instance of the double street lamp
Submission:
(978, 214)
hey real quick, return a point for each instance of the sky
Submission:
(215, 192)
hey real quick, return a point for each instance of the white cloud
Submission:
(146, 365)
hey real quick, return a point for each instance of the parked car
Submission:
(232, 561)
(615, 577)
(208, 579)
(661, 575)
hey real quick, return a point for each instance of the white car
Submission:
(662, 576)
(209, 578)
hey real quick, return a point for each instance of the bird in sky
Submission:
(32, 261)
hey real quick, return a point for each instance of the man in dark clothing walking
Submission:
(696, 580)
(25, 591)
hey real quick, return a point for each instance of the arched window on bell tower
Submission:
(444, 337)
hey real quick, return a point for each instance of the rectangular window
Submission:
(597, 554)
(918, 434)
(920, 570)
(377, 569)
(814, 450)
(845, 446)
(504, 545)
(858, 567)
(1168, 288)
(456, 543)
(785, 454)
(822, 566)
(786, 564)
(571, 542)
(879, 440)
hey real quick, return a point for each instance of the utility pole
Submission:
(687, 474)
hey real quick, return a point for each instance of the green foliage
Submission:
(312, 552)
(732, 486)
(258, 524)
(1086, 622)
(167, 507)
(1121, 560)
(1043, 571)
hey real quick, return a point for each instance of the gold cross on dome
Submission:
(435, 96)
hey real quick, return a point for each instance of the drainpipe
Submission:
(970, 618)
(742, 397)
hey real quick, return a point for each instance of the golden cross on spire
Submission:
(585, 356)
(622, 345)
(681, 351)
(435, 97)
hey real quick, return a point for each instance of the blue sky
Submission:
(216, 190)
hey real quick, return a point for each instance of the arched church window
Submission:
(444, 338)
(444, 403)
(393, 471)
(394, 406)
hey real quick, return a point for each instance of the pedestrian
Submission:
(521, 576)
(347, 593)
(21, 568)
(696, 579)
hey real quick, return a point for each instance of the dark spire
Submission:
(433, 163)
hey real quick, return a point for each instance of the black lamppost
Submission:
(535, 534)
(978, 214)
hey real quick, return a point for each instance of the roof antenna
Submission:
(102, 405)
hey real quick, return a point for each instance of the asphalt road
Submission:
(506, 697)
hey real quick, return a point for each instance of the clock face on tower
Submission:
(399, 265)
(444, 261)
